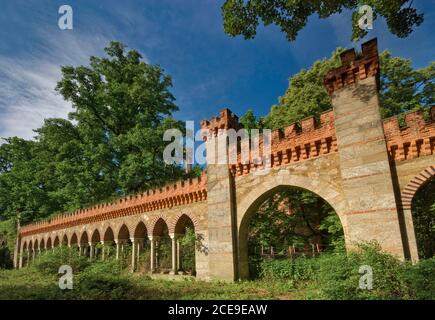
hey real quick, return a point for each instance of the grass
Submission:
(329, 276)
(29, 283)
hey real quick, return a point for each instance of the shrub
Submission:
(103, 280)
(339, 275)
(50, 261)
(297, 270)
(420, 279)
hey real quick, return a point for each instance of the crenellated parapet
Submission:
(176, 194)
(354, 68)
(226, 120)
(297, 142)
(416, 139)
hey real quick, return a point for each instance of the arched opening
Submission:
(109, 242)
(84, 244)
(186, 244)
(74, 240)
(96, 243)
(287, 222)
(64, 240)
(144, 250)
(124, 246)
(25, 253)
(56, 242)
(163, 258)
(423, 216)
(48, 244)
(42, 244)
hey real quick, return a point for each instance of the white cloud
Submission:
(27, 83)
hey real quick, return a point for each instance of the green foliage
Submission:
(423, 214)
(402, 89)
(305, 96)
(421, 280)
(103, 280)
(110, 146)
(328, 276)
(296, 270)
(242, 17)
(337, 276)
(48, 262)
(294, 217)
(187, 250)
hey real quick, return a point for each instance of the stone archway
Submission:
(407, 196)
(269, 186)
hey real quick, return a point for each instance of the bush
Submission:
(50, 261)
(103, 280)
(298, 269)
(421, 279)
(339, 275)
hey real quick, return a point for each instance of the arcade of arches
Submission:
(367, 169)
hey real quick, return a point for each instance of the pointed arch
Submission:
(96, 238)
(108, 234)
(415, 184)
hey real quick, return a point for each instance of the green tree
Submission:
(423, 214)
(402, 88)
(111, 144)
(242, 17)
(295, 217)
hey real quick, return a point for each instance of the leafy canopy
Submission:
(402, 88)
(242, 17)
(110, 145)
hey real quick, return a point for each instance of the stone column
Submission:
(134, 253)
(91, 250)
(139, 250)
(80, 250)
(102, 250)
(28, 257)
(153, 240)
(33, 255)
(178, 255)
(20, 262)
(174, 238)
(118, 247)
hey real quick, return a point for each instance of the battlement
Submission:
(226, 120)
(176, 194)
(297, 142)
(415, 140)
(354, 68)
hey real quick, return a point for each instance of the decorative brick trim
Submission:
(180, 193)
(153, 223)
(412, 187)
(415, 140)
(352, 69)
(173, 222)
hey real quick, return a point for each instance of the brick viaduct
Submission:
(366, 168)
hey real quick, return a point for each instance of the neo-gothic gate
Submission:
(366, 168)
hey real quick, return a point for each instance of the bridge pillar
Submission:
(222, 234)
(372, 212)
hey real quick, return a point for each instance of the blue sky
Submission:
(210, 70)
